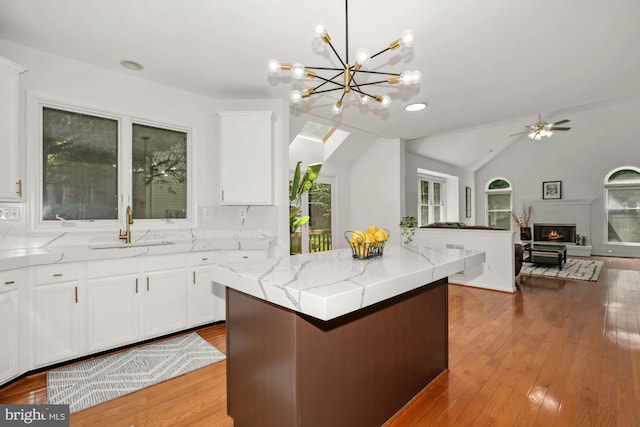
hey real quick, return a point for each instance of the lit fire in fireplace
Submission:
(554, 235)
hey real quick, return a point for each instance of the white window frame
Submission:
(488, 192)
(606, 187)
(35, 104)
(443, 198)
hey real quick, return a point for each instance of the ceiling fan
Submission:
(541, 129)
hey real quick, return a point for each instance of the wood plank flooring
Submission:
(557, 353)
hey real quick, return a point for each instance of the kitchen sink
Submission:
(123, 245)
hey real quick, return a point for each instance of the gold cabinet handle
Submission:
(194, 277)
(76, 294)
(147, 284)
(57, 275)
(19, 184)
(205, 259)
(11, 282)
(136, 285)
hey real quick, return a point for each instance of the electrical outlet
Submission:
(10, 213)
(243, 213)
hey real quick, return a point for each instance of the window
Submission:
(431, 203)
(159, 187)
(79, 173)
(622, 199)
(94, 164)
(319, 204)
(499, 203)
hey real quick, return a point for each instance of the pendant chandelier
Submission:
(346, 78)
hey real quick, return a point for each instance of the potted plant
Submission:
(408, 225)
(522, 220)
(297, 187)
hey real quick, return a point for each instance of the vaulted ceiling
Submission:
(497, 61)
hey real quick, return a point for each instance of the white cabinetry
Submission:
(112, 306)
(9, 325)
(164, 295)
(56, 312)
(246, 158)
(206, 299)
(10, 183)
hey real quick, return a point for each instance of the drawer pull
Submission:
(57, 275)
(194, 277)
(205, 259)
(147, 284)
(245, 256)
(136, 285)
(11, 282)
(76, 294)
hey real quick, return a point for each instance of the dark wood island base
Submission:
(289, 369)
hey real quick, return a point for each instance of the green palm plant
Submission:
(297, 187)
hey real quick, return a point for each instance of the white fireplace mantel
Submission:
(564, 211)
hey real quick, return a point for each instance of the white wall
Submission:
(413, 162)
(604, 136)
(377, 190)
(93, 87)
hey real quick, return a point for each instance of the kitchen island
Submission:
(324, 339)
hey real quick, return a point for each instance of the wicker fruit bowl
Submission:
(367, 245)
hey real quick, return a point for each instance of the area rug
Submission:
(96, 381)
(575, 269)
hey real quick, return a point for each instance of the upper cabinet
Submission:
(246, 158)
(10, 182)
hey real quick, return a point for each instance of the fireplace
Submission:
(554, 233)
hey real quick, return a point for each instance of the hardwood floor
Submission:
(557, 353)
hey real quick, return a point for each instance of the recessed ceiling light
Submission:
(415, 107)
(131, 65)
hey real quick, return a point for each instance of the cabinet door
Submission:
(165, 302)
(9, 321)
(112, 315)
(10, 187)
(202, 297)
(57, 328)
(246, 158)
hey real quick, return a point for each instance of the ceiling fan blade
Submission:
(560, 122)
(520, 133)
(560, 128)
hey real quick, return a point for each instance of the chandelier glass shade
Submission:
(346, 79)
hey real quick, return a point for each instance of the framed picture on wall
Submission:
(552, 190)
(468, 202)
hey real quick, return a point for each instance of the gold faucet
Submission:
(126, 236)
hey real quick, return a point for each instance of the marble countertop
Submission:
(330, 284)
(76, 248)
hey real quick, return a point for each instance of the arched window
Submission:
(622, 205)
(498, 204)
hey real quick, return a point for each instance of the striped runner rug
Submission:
(576, 269)
(96, 381)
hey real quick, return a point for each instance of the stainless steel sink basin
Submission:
(122, 245)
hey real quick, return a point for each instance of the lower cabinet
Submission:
(164, 298)
(57, 322)
(69, 310)
(9, 327)
(112, 306)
